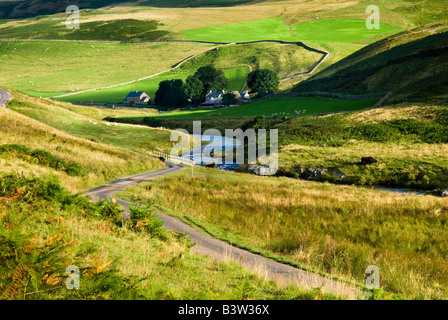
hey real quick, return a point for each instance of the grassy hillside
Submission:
(31, 8)
(65, 118)
(116, 30)
(235, 60)
(59, 67)
(284, 59)
(101, 162)
(412, 65)
(339, 230)
(407, 141)
(48, 228)
(237, 78)
(44, 229)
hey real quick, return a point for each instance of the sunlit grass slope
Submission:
(60, 116)
(102, 162)
(334, 229)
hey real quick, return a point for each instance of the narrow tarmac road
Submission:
(222, 251)
(4, 98)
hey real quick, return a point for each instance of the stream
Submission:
(199, 155)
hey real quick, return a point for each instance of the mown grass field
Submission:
(338, 230)
(330, 30)
(271, 107)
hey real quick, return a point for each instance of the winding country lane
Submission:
(222, 251)
(5, 96)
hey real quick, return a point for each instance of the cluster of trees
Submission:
(176, 93)
(263, 80)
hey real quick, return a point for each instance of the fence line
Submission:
(172, 158)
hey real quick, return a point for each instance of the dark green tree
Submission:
(212, 79)
(171, 93)
(263, 80)
(194, 88)
(229, 98)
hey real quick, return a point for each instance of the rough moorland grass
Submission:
(338, 230)
(101, 112)
(41, 157)
(44, 229)
(411, 64)
(408, 141)
(103, 163)
(59, 67)
(272, 107)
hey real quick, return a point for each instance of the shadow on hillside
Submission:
(195, 3)
(33, 8)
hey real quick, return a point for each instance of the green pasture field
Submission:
(49, 67)
(325, 30)
(273, 107)
(54, 114)
(237, 78)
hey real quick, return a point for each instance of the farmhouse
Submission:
(214, 99)
(242, 97)
(137, 97)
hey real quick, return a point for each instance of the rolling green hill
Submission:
(46, 224)
(65, 118)
(412, 64)
(62, 67)
(237, 78)
(284, 59)
(115, 30)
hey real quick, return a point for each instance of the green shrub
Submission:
(31, 190)
(143, 219)
(33, 264)
(44, 158)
